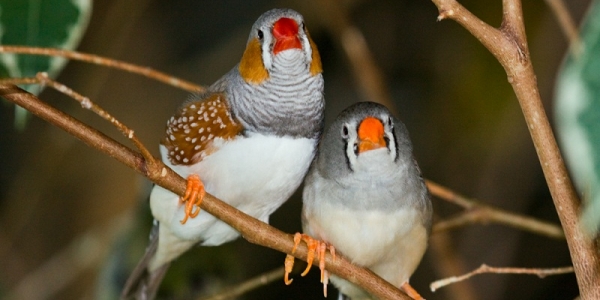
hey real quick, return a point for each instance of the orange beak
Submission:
(285, 31)
(370, 135)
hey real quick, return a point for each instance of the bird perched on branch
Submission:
(364, 197)
(249, 140)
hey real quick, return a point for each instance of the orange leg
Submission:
(411, 292)
(194, 193)
(315, 247)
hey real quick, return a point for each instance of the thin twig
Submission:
(449, 195)
(42, 78)
(487, 269)
(246, 286)
(366, 71)
(103, 61)
(509, 45)
(462, 219)
(251, 229)
(480, 213)
(567, 25)
(88, 104)
(23, 80)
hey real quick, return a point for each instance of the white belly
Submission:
(383, 241)
(255, 174)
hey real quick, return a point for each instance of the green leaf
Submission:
(577, 109)
(40, 23)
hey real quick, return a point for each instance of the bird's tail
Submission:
(143, 284)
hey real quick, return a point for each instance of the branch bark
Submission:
(509, 45)
(251, 229)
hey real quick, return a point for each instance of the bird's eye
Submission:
(355, 149)
(303, 27)
(390, 123)
(345, 131)
(260, 34)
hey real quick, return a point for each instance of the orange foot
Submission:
(410, 291)
(194, 193)
(315, 247)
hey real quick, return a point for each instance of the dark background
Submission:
(69, 213)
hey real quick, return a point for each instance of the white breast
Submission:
(256, 174)
(390, 243)
(369, 218)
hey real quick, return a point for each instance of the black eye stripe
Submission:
(395, 141)
(346, 156)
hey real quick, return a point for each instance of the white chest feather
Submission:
(255, 174)
(391, 243)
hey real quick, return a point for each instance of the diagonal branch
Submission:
(368, 74)
(251, 229)
(509, 45)
(567, 25)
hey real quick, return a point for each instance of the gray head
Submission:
(358, 132)
(277, 88)
(278, 30)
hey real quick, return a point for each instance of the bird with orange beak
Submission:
(248, 140)
(364, 198)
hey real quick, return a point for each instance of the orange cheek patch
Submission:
(315, 64)
(370, 135)
(251, 66)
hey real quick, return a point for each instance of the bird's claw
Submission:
(315, 247)
(289, 265)
(194, 193)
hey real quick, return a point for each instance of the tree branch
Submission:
(509, 45)
(481, 213)
(248, 285)
(103, 61)
(567, 25)
(251, 229)
(368, 74)
(487, 269)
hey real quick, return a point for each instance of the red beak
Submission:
(285, 31)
